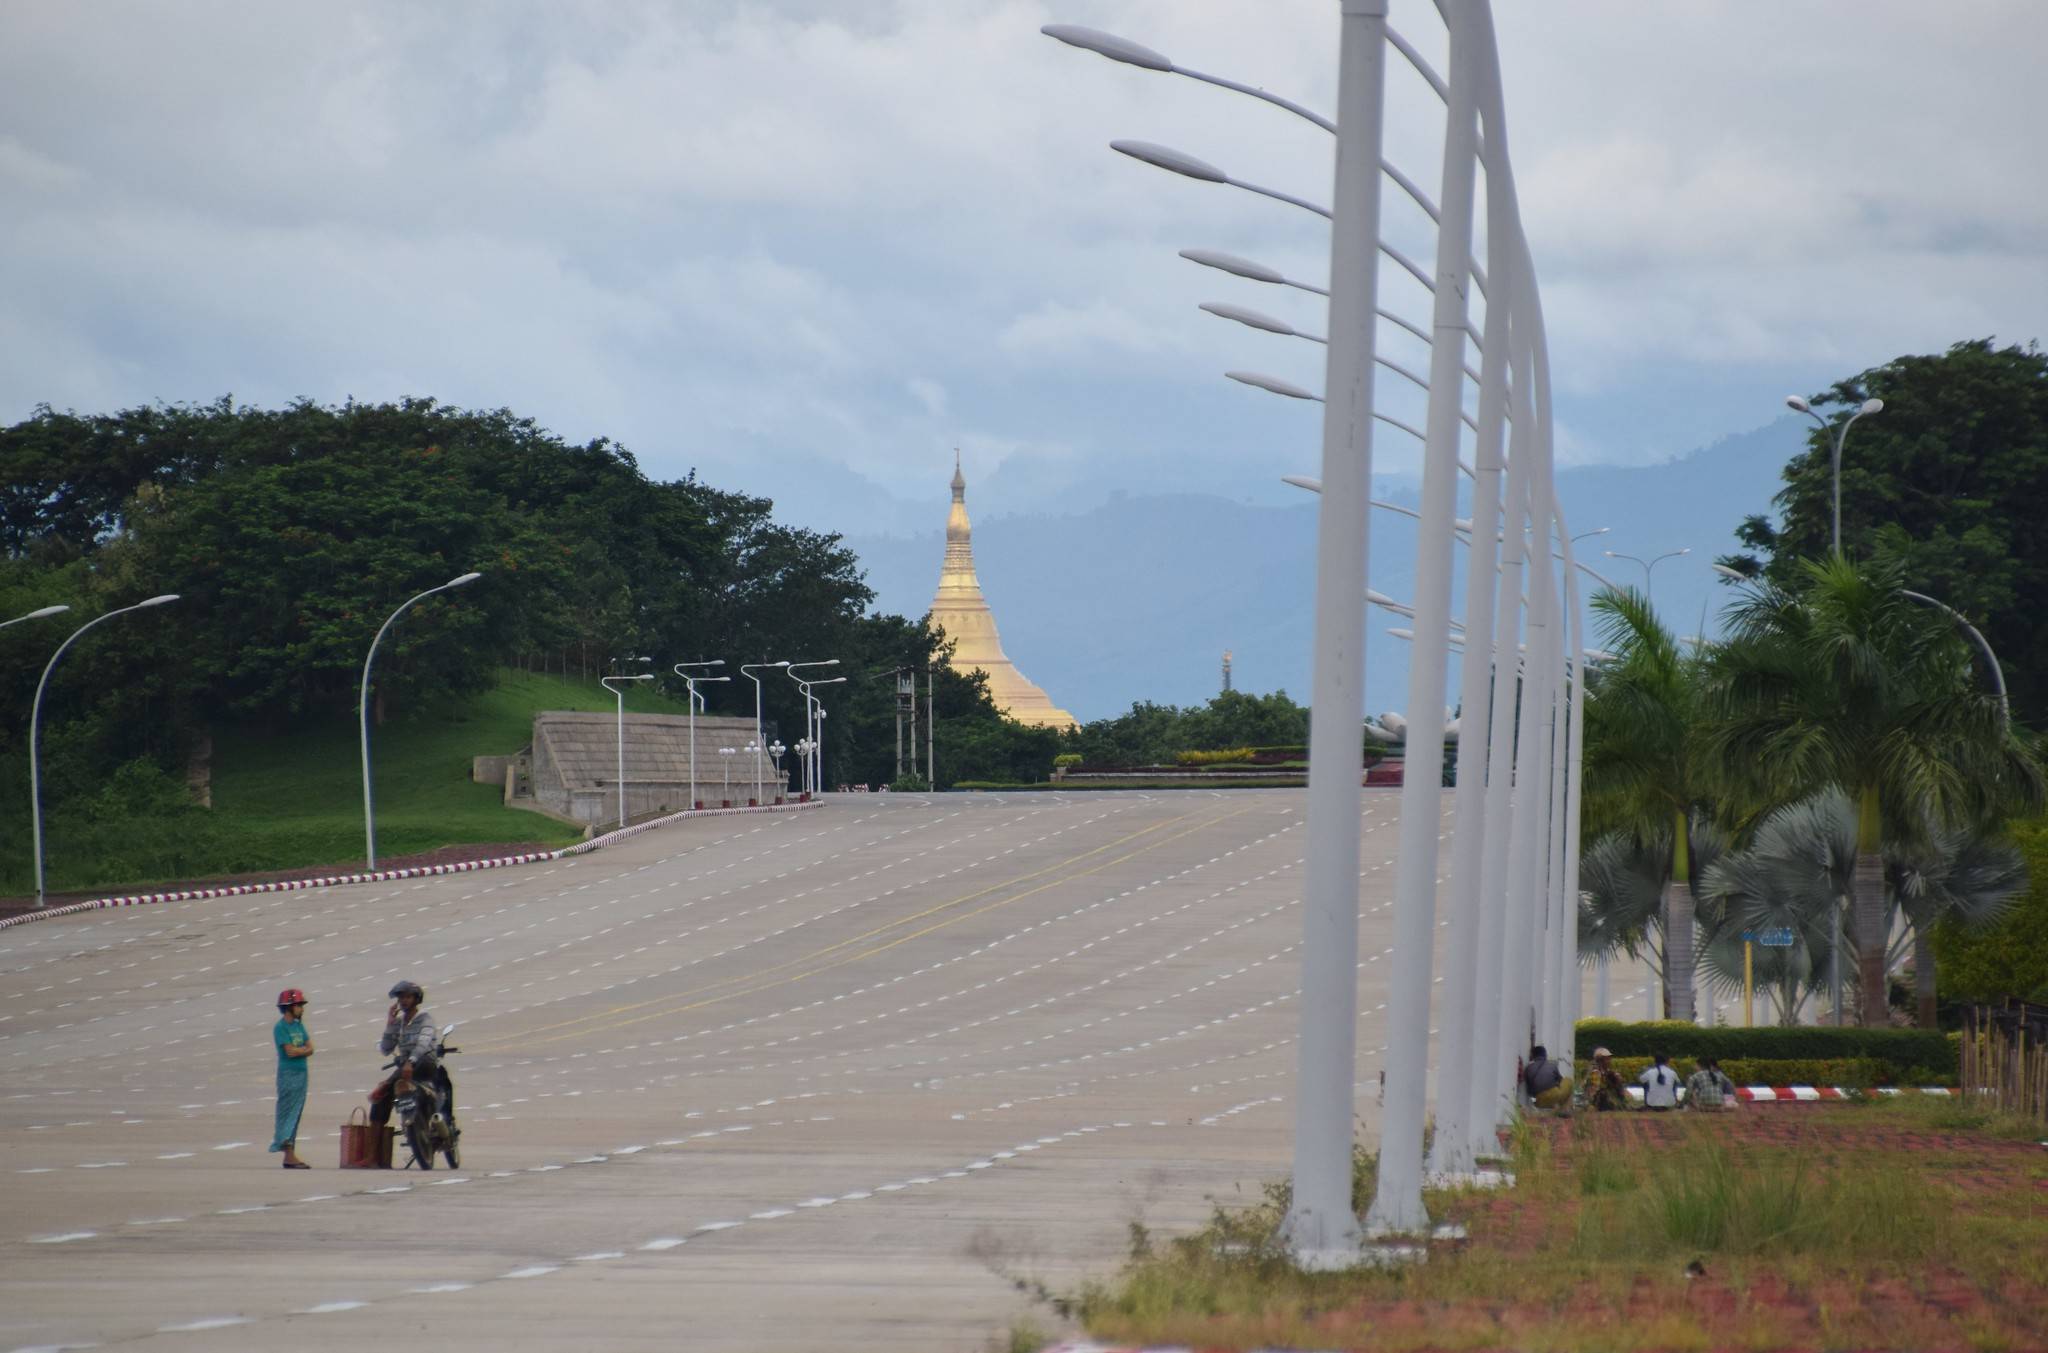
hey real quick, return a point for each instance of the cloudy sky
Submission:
(808, 246)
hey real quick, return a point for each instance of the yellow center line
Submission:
(855, 939)
(879, 948)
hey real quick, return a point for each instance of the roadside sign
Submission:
(1777, 937)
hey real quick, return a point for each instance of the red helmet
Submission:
(290, 997)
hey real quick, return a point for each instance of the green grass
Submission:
(296, 800)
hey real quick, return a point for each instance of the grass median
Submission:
(1904, 1224)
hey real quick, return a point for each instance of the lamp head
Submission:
(1165, 157)
(47, 610)
(1272, 384)
(1231, 263)
(1797, 405)
(1872, 406)
(1302, 481)
(467, 579)
(165, 599)
(1255, 319)
(1107, 44)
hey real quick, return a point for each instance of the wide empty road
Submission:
(830, 1079)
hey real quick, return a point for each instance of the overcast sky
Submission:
(808, 248)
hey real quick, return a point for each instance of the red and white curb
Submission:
(388, 875)
(1791, 1094)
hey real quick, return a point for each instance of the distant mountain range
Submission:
(1138, 597)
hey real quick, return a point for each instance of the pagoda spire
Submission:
(960, 609)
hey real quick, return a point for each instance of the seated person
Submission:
(1708, 1087)
(1545, 1081)
(1603, 1088)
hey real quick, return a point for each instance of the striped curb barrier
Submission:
(1806, 1094)
(387, 875)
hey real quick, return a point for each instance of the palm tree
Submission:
(1642, 768)
(1968, 875)
(1847, 682)
(1622, 892)
(1792, 876)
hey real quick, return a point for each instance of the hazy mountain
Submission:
(1138, 597)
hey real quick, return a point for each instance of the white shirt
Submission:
(1660, 1087)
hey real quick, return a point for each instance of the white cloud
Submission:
(740, 234)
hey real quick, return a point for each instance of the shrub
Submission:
(1065, 760)
(1224, 757)
(1929, 1049)
(2009, 957)
(910, 784)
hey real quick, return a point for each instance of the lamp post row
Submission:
(809, 747)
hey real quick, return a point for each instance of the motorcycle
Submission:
(421, 1118)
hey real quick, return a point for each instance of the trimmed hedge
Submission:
(1841, 1072)
(1928, 1050)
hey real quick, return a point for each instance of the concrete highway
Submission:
(818, 1080)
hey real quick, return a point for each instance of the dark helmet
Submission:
(408, 989)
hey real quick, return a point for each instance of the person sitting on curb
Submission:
(1708, 1088)
(1603, 1089)
(1545, 1080)
(1660, 1085)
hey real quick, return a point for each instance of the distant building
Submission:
(960, 610)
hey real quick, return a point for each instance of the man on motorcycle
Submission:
(409, 1033)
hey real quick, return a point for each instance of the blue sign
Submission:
(1777, 937)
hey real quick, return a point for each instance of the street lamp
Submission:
(725, 755)
(33, 615)
(1841, 434)
(811, 733)
(620, 692)
(753, 753)
(775, 751)
(803, 753)
(691, 681)
(35, 784)
(1649, 565)
(747, 670)
(363, 710)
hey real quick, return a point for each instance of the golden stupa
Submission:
(960, 610)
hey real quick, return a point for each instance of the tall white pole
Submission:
(1397, 1200)
(620, 692)
(1484, 1086)
(1574, 788)
(1320, 1227)
(1458, 1139)
(35, 718)
(1528, 828)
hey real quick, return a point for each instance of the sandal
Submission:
(297, 1165)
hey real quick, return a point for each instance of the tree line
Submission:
(1840, 765)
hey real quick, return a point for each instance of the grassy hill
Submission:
(295, 800)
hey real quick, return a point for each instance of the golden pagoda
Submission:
(960, 610)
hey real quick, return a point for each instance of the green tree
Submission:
(1643, 770)
(1948, 480)
(1845, 682)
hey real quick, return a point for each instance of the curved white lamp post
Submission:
(35, 715)
(1841, 434)
(363, 710)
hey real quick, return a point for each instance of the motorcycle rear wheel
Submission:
(421, 1146)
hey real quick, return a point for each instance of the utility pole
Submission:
(931, 773)
(1226, 669)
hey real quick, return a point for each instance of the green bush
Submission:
(1065, 760)
(2009, 957)
(1224, 757)
(1928, 1050)
(910, 784)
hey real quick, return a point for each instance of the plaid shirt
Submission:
(1705, 1089)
